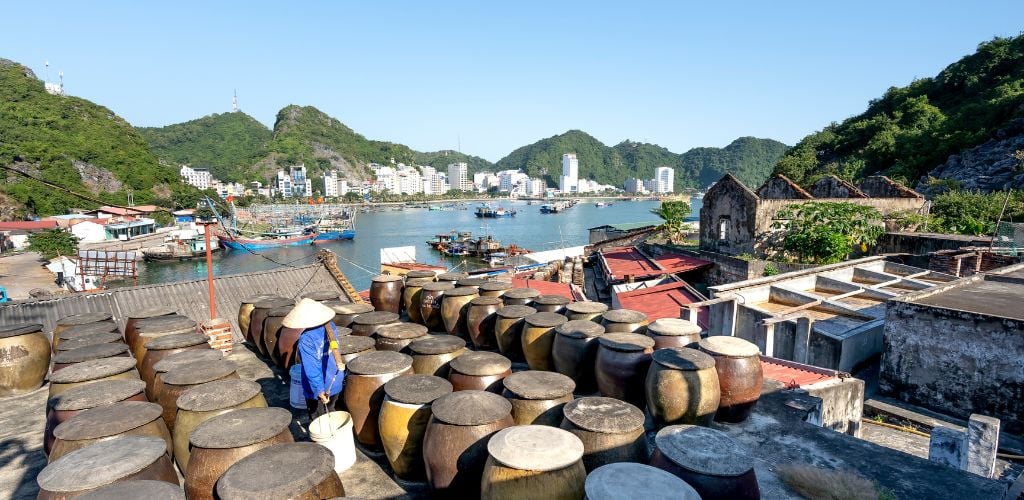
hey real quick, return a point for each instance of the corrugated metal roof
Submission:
(794, 374)
(188, 297)
(629, 261)
(663, 301)
(549, 288)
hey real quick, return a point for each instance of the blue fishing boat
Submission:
(488, 211)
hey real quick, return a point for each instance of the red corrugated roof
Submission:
(628, 261)
(675, 263)
(27, 225)
(790, 373)
(114, 210)
(662, 301)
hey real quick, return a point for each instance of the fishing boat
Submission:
(602, 204)
(286, 237)
(496, 258)
(551, 208)
(488, 211)
(337, 228)
(180, 246)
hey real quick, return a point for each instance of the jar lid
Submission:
(437, 344)
(320, 295)
(536, 384)
(551, 300)
(95, 394)
(84, 318)
(253, 299)
(438, 286)
(101, 463)
(535, 448)
(185, 357)
(516, 312)
(580, 329)
(352, 308)
(420, 274)
(296, 467)
(587, 307)
(451, 276)
(351, 344)
(495, 286)
(632, 480)
(522, 293)
(546, 319)
(90, 352)
(107, 420)
(461, 291)
(417, 389)
(723, 345)
(626, 342)
(176, 341)
(135, 489)
(673, 327)
(683, 358)
(481, 364)
(273, 302)
(486, 301)
(218, 395)
(472, 282)
(88, 340)
(417, 282)
(471, 408)
(199, 372)
(150, 312)
(375, 318)
(241, 427)
(165, 324)
(92, 370)
(402, 331)
(73, 332)
(703, 450)
(386, 278)
(604, 415)
(624, 316)
(380, 363)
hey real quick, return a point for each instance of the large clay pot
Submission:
(404, 416)
(537, 338)
(411, 298)
(710, 461)
(740, 378)
(79, 319)
(77, 332)
(285, 354)
(533, 462)
(103, 423)
(520, 296)
(673, 332)
(682, 387)
(621, 366)
(420, 274)
(300, 471)
(222, 440)
(397, 336)
(480, 320)
(586, 310)
(88, 372)
(205, 401)
(130, 332)
(508, 330)
(630, 480)
(88, 340)
(173, 361)
(479, 371)
(259, 315)
(345, 313)
(611, 430)
(574, 352)
(386, 292)
(64, 359)
(161, 347)
(366, 325)
(352, 346)
(142, 488)
(321, 295)
(452, 278)
(471, 283)
(454, 307)
(245, 310)
(455, 444)
(73, 401)
(550, 303)
(185, 377)
(149, 329)
(431, 299)
(272, 328)
(624, 321)
(123, 458)
(432, 353)
(24, 358)
(364, 391)
(495, 288)
(538, 397)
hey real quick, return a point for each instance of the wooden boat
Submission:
(180, 246)
(486, 210)
(272, 240)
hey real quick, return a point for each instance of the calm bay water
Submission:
(360, 259)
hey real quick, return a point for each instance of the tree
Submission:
(673, 213)
(53, 242)
(827, 232)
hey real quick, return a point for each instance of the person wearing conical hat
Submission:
(322, 378)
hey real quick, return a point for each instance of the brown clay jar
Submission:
(364, 391)
(345, 313)
(386, 292)
(452, 278)
(586, 310)
(740, 378)
(710, 461)
(102, 423)
(88, 372)
(455, 443)
(574, 352)
(673, 332)
(272, 327)
(682, 387)
(432, 354)
(411, 298)
(520, 296)
(480, 320)
(632, 480)
(133, 318)
(73, 333)
(206, 401)
(301, 471)
(550, 303)
(508, 330)
(352, 346)
(259, 315)
(621, 366)
(431, 299)
(479, 371)
(62, 407)
(321, 295)
(184, 377)
(79, 319)
(538, 337)
(64, 359)
(88, 340)
(245, 313)
(141, 488)
(173, 361)
(538, 397)
(611, 430)
(161, 347)
(404, 417)
(24, 358)
(533, 462)
(494, 288)
(624, 321)
(151, 328)
(397, 337)
(367, 324)
(454, 307)
(123, 458)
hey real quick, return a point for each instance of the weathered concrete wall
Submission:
(778, 187)
(834, 187)
(954, 362)
(729, 202)
(925, 243)
(880, 186)
(842, 404)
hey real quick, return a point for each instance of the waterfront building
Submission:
(458, 176)
(535, 187)
(570, 174)
(198, 177)
(634, 186)
(283, 184)
(665, 179)
(408, 181)
(509, 180)
(331, 184)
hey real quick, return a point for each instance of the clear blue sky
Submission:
(499, 75)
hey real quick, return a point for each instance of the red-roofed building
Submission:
(28, 225)
(106, 212)
(661, 301)
(629, 263)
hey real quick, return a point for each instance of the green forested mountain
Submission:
(227, 143)
(72, 142)
(912, 129)
(748, 158)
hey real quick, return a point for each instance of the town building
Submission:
(484, 181)
(331, 184)
(570, 174)
(301, 184)
(664, 180)
(434, 182)
(283, 184)
(458, 176)
(198, 177)
(634, 186)
(535, 187)
(407, 181)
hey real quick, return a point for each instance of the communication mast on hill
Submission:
(53, 88)
(234, 103)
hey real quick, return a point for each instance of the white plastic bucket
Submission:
(334, 432)
(295, 397)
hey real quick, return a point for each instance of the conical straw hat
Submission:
(308, 314)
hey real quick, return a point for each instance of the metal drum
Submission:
(259, 315)
(611, 430)
(538, 397)
(352, 346)
(364, 390)
(550, 303)
(24, 358)
(629, 480)
(133, 318)
(454, 307)
(452, 278)
(125, 458)
(404, 416)
(366, 324)
(624, 321)
(185, 377)
(73, 401)
(711, 462)
(79, 319)
(345, 313)
(88, 340)
(411, 298)
(301, 471)
(129, 490)
(431, 298)
(574, 352)
(508, 330)
(149, 329)
(455, 444)
(272, 328)
(621, 366)
(64, 359)
(682, 387)
(479, 371)
(673, 332)
(88, 372)
(431, 354)
(480, 320)
(537, 338)
(162, 347)
(102, 423)
(205, 401)
(494, 288)
(173, 361)
(386, 292)
(520, 296)
(471, 282)
(77, 332)
(321, 295)
(533, 462)
(222, 440)
(397, 337)
(245, 310)
(738, 363)
(586, 310)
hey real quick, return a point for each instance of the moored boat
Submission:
(488, 211)
(235, 242)
(180, 246)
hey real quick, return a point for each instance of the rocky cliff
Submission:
(990, 166)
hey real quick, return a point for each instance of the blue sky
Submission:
(499, 75)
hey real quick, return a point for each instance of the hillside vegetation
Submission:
(229, 144)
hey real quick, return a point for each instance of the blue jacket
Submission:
(318, 366)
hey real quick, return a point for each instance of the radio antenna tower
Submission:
(234, 102)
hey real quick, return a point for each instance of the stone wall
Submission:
(730, 203)
(925, 243)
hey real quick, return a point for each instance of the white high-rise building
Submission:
(534, 187)
(665, 179)
(408, 181)
(331, 184)
(458, 176)
(508, 180)
(570, 174)
(198, 177)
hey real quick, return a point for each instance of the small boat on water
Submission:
(336, 228)
(551, 208)
(602, 204)
(496, 259)
(287, 237)
(180, 246)
(488, 211)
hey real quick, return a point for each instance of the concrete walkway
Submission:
(23, 271)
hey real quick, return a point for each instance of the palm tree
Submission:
(673, 213)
